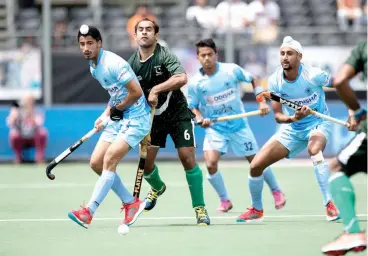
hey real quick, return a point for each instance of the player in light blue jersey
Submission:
(128, 122)
(213, 93)
(302, 84)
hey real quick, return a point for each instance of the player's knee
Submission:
(212, 167)
(334, 166)
(110, 162)
(314, 151)
(256, 168)
(188, 161)
(96, 166)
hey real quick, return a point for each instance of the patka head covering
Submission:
(290, 42)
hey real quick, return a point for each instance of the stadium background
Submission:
(39, 54)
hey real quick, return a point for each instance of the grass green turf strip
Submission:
(298, 229)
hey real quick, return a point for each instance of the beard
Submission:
(287, 67)
(147, 43)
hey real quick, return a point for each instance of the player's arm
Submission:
(279, 115)
(246, 77)
(177, 79)
(134, 93)
(347, 95)
(205, 122)
(341, 83)
(175, 82)
(193, 103)
(125, 77)
(353, 65)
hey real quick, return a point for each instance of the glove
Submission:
(116, 114)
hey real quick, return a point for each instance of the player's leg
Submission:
(182, 133)
(131, 133)
(351, 159)
(316, 144)
(96, 163)
(278, 147)
(151, 172)
(103, 185)
(152, 176)
(215, 144)
(244, 143)
(125, 135)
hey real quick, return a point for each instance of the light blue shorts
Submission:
(296, 141)
(132, 130)
(243, 142)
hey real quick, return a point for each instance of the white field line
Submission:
(173, 218)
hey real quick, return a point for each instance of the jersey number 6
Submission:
(186, 135)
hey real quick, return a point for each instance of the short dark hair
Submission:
(206, 43)
(93, 32)
(155, 26)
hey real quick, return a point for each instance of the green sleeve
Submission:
(131, 59)
(355, 58)
(172, 64)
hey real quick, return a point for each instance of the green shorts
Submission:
(181, 132)
(353, 157)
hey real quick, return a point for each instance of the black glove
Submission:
(115, 114)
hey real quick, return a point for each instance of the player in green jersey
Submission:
(351, 159)
(161, 76)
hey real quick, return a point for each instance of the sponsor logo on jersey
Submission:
(310, 100)
(113, 89)
(222, 110)
(221, 98)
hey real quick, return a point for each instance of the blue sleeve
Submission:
(321, 78)
(272, 84)
(193, 101)
(242, 75)
(111, 102)
(122, 72)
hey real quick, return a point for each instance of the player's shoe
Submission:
(82, 217)
(346, 243)
(332, 213)
(251, 215)
(152, 196)
(225, 206)
(202, 216)
(132, 211)
(279, 198)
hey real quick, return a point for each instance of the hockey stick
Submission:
(67, 152)
(232, 117)
(295, 106)
(142, 161)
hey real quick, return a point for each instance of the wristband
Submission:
(258, 89)
(358, 114)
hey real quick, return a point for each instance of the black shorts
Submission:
(181, 131)
(353, 157)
